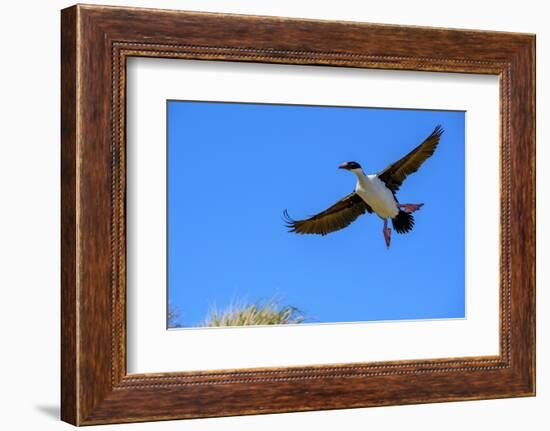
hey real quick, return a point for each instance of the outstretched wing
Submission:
(337, 217)
(394, 175)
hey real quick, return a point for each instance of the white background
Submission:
(153, 349)
(29, 217)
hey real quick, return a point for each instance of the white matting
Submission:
(152, 348)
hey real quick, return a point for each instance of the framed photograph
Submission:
(264, 214)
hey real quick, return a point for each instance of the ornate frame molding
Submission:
(96, 41)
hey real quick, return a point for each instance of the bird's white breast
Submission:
(375, 193)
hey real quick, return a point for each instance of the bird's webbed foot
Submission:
(387, 233)
(410, 208)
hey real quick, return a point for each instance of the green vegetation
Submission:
(173, 317)
(268, 312)
(260, 313)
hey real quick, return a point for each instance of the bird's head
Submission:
(351, 166)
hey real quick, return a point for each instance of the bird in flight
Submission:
(374, 193)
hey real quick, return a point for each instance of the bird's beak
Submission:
(343, 166)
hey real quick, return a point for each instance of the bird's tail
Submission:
(403, 222)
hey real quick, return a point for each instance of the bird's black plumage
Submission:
(394, 175)
(334, 218)
(403, 222)
(348, 209)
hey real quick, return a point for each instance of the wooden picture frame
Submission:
(95, 43)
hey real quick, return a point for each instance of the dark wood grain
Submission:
(69, 398)
(96, 41)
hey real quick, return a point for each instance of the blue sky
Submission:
(232, 170)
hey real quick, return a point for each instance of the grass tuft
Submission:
(260, 313)
(173, 317)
